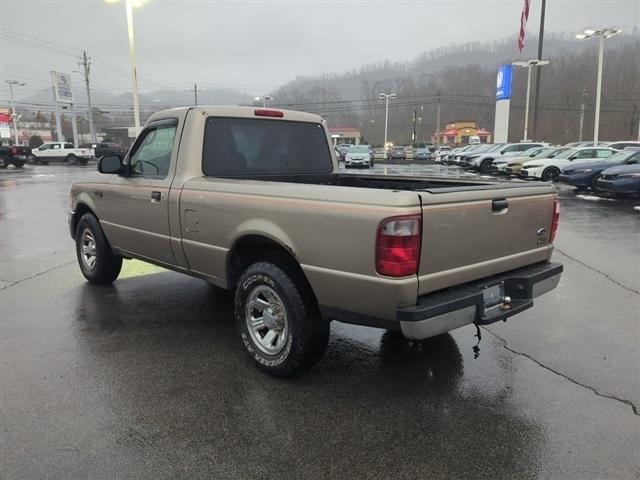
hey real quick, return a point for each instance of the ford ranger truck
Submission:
(252, 200)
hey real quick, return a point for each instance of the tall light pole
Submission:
(529, 64)
(601, 33)
(264, 99)
(386, 96)
(14, 114)
(129, 4)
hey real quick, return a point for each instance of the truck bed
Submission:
(390, 182)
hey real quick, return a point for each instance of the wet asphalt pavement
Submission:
(148, 378)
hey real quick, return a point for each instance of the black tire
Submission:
(72, 159)
(307, 334)
(594, 182)
(485, 166)
(107, 265)
(550, 174)
(18, 163)
(82, 161)
(44, 162)
(4, 162)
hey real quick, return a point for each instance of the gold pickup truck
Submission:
(252, 200)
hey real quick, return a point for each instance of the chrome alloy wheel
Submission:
(266, 320)
(88, 249)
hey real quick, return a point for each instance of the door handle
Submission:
(156, 197)
(499, 205)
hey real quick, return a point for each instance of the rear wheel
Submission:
(97, 262)
(72, 159)
(3, 161)
(594, 182)
(18, 163)
(278, 321)
(550, 174)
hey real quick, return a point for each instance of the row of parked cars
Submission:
(58, 152)
(611, 166)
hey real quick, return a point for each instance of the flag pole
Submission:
(536, 97)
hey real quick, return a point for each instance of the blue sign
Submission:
(503, 83)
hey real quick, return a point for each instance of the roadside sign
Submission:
(503, 83)
(62, 87)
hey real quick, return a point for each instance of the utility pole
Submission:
(438, 121)
(386, 96)
(584, 96)
(195, 93)
(14, 113)
(85, 63)
(413, 136)
(536, 98)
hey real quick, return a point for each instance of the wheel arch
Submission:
(80, 209)
(251, 248)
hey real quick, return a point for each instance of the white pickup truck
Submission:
(61, 151)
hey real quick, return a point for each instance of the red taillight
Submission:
(555, 219)
(398, 246)
(14, 150)
(263, 112)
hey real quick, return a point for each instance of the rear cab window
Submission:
(248, 146)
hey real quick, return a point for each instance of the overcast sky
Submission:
(262, 44)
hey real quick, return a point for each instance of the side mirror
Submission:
(110, 164)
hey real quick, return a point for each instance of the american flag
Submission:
(523, 24)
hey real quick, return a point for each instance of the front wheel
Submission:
(4, 163)
(72, 159)
(485, 166)
(97, 262)
(550, 174)
(18, 163)
(278, 322)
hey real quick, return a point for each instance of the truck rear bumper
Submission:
(448, 309)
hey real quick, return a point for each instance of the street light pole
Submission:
(602, 33)
(14, 114)
(529, 64)
(596, 125)
(134, 71)
(386, 96)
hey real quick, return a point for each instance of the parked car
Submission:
(622, 145)
(15, 155)
(515, 164)
(585, 175)
(474, 151)
(56, 151)
(423, 154)
(342, 148)
(623, 179)
(101, 149)
(483, 162)
(549, 168)
(499, 166)
(441, 152)
(454, 156)
(359, 156)
(398, 153)
(202, 194)
(379, 153)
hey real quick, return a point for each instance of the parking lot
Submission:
(148, 378)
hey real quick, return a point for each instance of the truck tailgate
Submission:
(467, 240)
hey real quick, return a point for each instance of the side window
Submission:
(68, 145)
(151, 154)
(589, 153)
(46, 146)
(56, 146)
(510, 148)
(603, 153)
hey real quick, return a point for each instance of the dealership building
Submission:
(345, 135)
